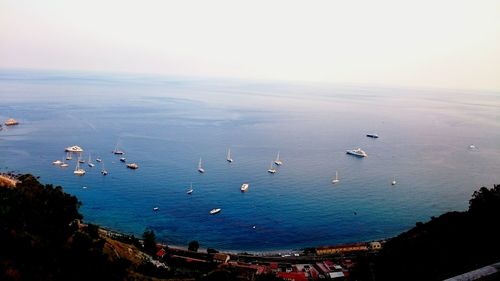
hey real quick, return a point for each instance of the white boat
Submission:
(156, 209)
(336, 179)
(11, 122)
(190, 189)
(57, 162)
(271, 170)
(357, 152)
(278, 161)
(200, 168)
(244, 187)
(68, 156)
(133, 166)
(90, 162)
(373, 136)
(74, 148)
(393, 181)
(123, 159)
(118, 151)
(78, 171)
(228, 158)
(215, 211)
(104, 172)
(80, 160)
(98, 159)
(64, 165)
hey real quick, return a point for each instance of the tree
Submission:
(193, 246)
(149, 242)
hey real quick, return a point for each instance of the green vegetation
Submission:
(194, 246)
(40, 237)
(149, 237)
(446, 246)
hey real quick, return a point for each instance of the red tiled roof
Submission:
(160, 253)
(293, 276)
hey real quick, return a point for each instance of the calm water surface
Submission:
(167, 124)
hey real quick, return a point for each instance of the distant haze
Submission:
(447, 44)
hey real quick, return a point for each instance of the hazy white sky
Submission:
(447, 43)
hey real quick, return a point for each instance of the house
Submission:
(220, 258)
(161, 253)
(375, 245)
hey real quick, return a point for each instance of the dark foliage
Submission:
(446, 246)
(149, 237)
(193, 246)
(212, 251)
(40, 240)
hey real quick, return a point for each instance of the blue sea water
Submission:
(166, 124)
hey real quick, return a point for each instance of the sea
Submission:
(166, 124)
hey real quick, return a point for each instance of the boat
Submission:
(190, 189)
(123, 159)
(244, 187)
(133, 166)
(104, 172)
(215, 211)
(90, 162)
(357, 152)
(278, 161)
(393, 181)
(373, 136)
(271, 170)
(78, 171)
(156, 209)
(98, 159)
(64, 165)
(57, 162)
(228, 158)
(80, 160)
(118, 151)
(11, 122)
(200, 168)
(472, 146)
(68, 156)
(336, 179)
(74, 148)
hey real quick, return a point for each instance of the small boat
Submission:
(74, 148)
(190, 189)
(123, 159)
(156, 209)
(357, 152)
(373, 136)
(278, 161)
(57, 162)
(78, 171)
(336, 179)
(98, 159)
(118, 151)
(11, 122)
(200, 168)
(133, 166)
(90, 162)
(271, 170)
(472, 146)
(215, 211)
(104, 172)
(64, 165)
(244, 187)
(393, 181)
(80, 160)
(228, 158)
(68, 156)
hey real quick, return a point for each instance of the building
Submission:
(375, 245)
(341, 249)
(220, 258)
(292, 276)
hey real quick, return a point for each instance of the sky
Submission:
(441, 43)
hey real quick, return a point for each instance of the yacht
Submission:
(78, 171)
(98, 159)
(278, 161)
(190, 189)
(73, 148)
(57, 162)
(123, 159)
(357, 152)
(118, 151)
(271, 170)
(104, 172)
(90, 162)
(215, 211)
(200, 168)
(133, 166)
(228, 158)
(156, 209)
(336, 179)
(244, 187)
(11, 122)
(374, 136)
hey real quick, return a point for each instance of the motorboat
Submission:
(357, 152)
(123, 159)
(11, 122)
(73, 148)
(98, 159)
(373, 136)
(57, 162)
(244, 187)
(278, 161)
(133, 166)
(215, 211)
(156, 209)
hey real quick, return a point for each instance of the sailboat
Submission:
(336, 179)
(80, 160)
(118, 151)
(393, 181)
(78, 171)
(104, 172)
(271, 170)
(228, 158)
(68, 156)
(190, 189)
(278, 161)
(90, 161)
(200, 168)
(63, 164)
